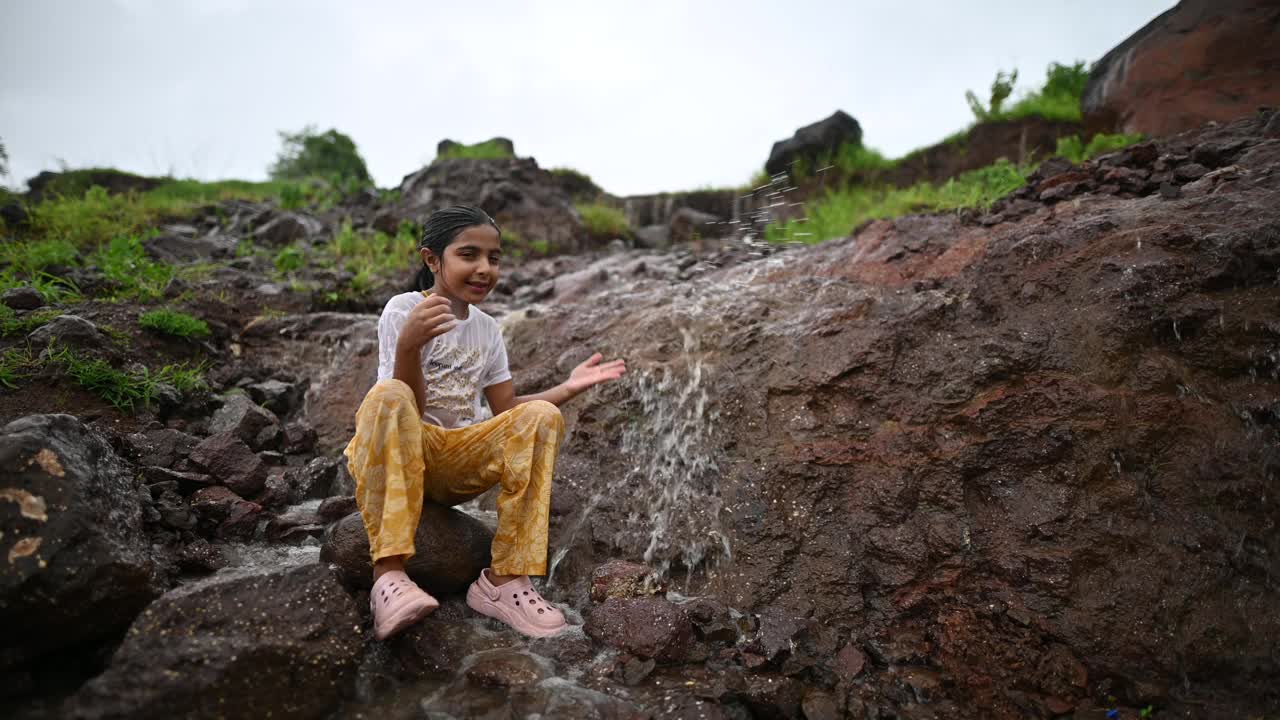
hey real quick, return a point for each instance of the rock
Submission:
(688, 224)
(22, 298)
(1143, 85)
(238, 639)
(850, 662)
(299, 437)
(649, 627)
(69, 330)
(337, 352)
(78, 565)
(174, 512)
(224, 514)
(635, 670)
(257, 426)
(188, 482)
(162, 448)
(295, 526)
(452, 548)
(315, 479)
(336, 508)
(231, 463)
(288, 228)
(507, 669)
(200, 556)
(277, 491)
(778, 630)
(14, 214)
(1190, 171)
(655, 237)
(276, 396)
(519, 195)
(819, 705)
(813, 141)
(177, 249)
(772, 696)
(623, 579)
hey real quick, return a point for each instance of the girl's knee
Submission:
(390, 392)
(542, 412)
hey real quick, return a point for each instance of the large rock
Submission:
(1201, 60)
(980, 430)
(77, 566)
(812, 141)
(280, 643)
(520, 196)
(231, 463)
(452, 548)
(239, 415)
(289, 228)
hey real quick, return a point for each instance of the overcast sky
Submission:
(644, 97)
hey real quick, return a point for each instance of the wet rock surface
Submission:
(281, 643)
(1005, 464)
(451, 546)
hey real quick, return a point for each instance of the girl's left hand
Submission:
(592, 372)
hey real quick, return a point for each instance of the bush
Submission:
(487, 150)
(602, 220)
(177, 324)
(839, 211)
(1073, 149)
(331, 156)
(1057, 99)
(4, 160)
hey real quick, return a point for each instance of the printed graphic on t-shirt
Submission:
(452, 375)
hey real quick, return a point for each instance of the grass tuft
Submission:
(487, 150)
(1075, 150)
(602, 220)
(126, 391)
(171, 322)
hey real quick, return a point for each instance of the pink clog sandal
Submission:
(516, 604)
(397, 602)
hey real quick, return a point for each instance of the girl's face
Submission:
(470, 264)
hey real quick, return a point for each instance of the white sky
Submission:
(644, 97)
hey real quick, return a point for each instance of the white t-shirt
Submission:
(457, 365)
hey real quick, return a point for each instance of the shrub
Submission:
(839, 211)
(329, 155)
(289, 259)
(1001, 88)
(1057, 99)
(171, 322)
(4, 160)
(1073, 149)
(487, 150)
(602, 220)
(125, 263)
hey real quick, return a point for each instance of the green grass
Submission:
(1075, 150)
(11, 324)
(125, 391)
(602, 220)
(487, 150)
(14, 366)
(1058, 99)
(839, 211)
(289, 259)
(134, 274)
(171, 322)
(371, 255)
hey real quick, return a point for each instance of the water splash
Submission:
(672, 479)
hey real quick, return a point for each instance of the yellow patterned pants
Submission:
(398, 460)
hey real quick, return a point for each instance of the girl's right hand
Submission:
(430, 318)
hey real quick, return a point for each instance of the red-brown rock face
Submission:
(1203, 60)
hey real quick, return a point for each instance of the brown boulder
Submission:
(1199, 61)
(227, 647)
(452, 548)
(650, 627)
(232, 463)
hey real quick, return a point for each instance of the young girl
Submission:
(423, 432)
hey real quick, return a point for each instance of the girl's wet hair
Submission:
(441, 228)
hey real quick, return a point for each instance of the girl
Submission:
(423, 431)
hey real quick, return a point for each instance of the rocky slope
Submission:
(1011, 464)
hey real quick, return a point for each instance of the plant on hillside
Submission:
(172, 322)
(1001, 89)
(4, 160)
(331, 156)
(487, 150)
(1075, 150)
(839, 211)
(126, 390)
(602, 220)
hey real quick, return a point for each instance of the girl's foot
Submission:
(397, 602)
(517, 604)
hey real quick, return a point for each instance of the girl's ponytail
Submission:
(440, 229)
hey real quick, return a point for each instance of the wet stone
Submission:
(506, 669)
(648, 627)
(232, 463)
(336, 508)
(623, 579)
(23, 298)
